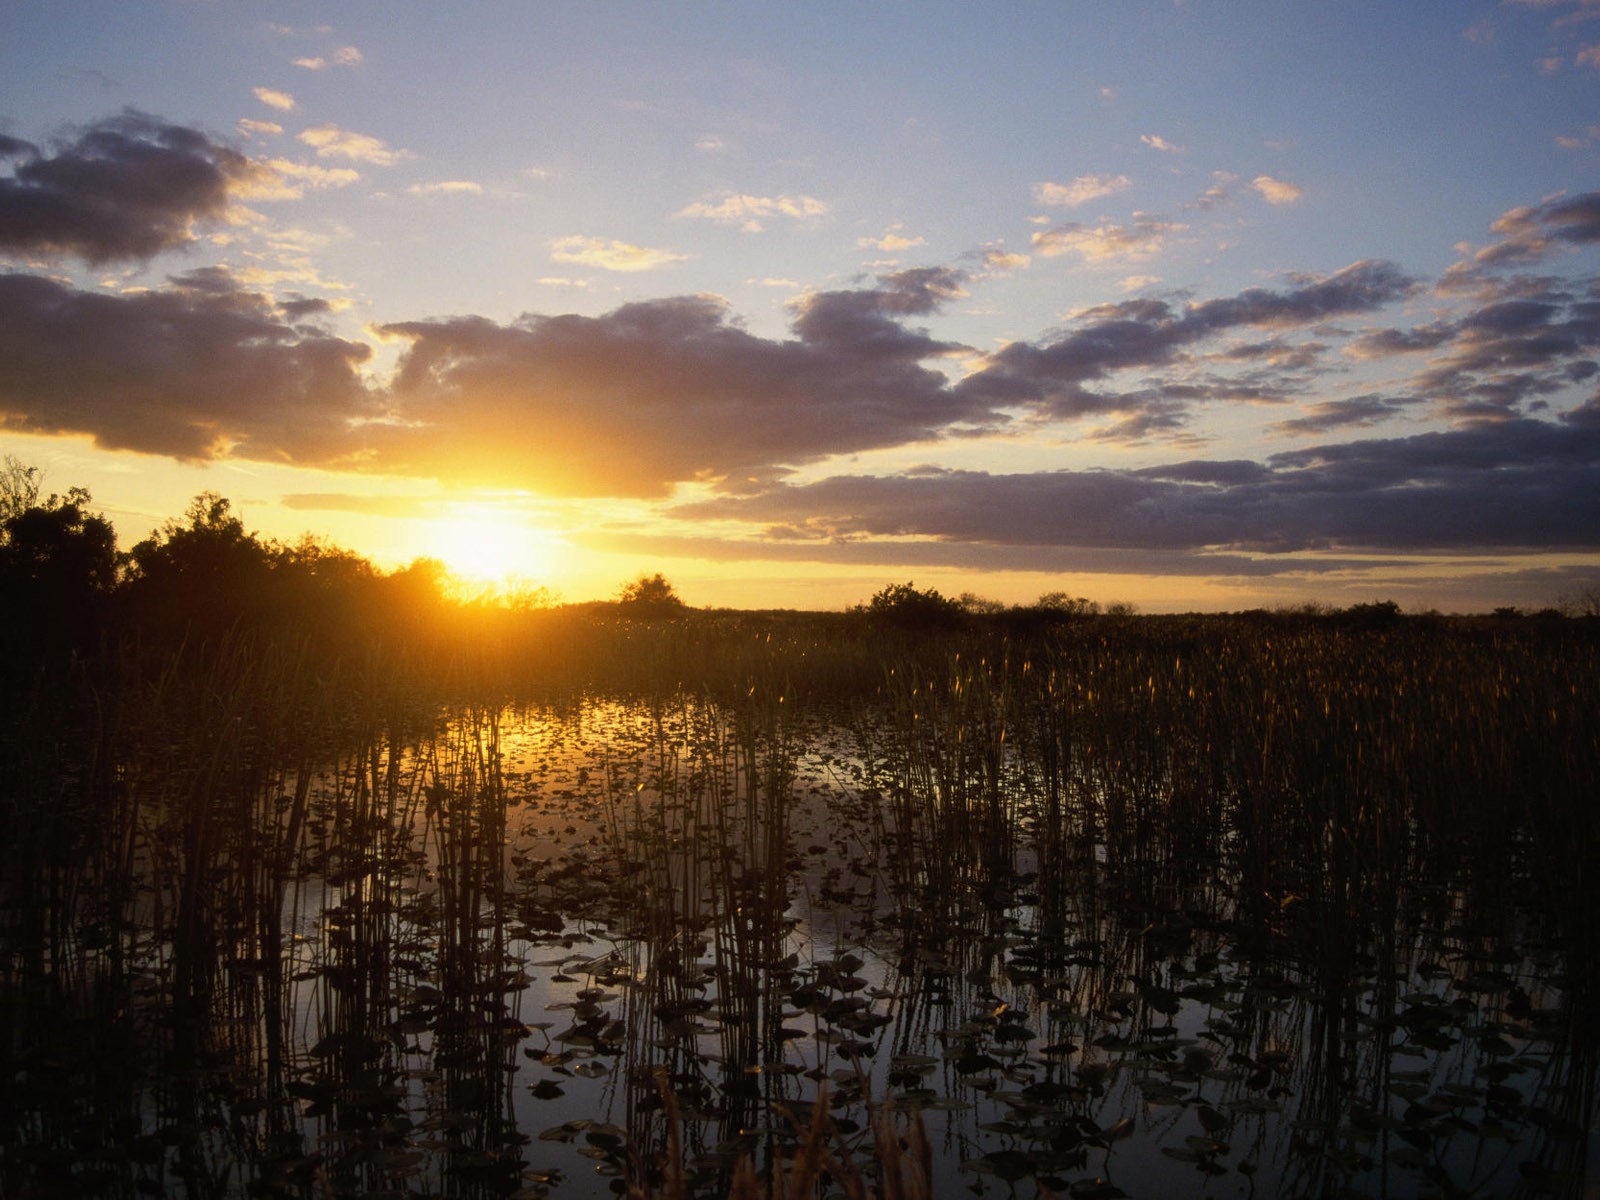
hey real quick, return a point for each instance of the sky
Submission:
(1191, 305)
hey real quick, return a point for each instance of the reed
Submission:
(1070, 894)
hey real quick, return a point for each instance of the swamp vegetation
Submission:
(335, 897)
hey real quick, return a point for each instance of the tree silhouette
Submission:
(1066, 605)
(650, 595)
(203, 575)
(911, 607)
(58, 566)
(19, 486)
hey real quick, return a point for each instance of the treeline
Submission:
(67, 590)
(203, 581)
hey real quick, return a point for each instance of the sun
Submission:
(483, 544)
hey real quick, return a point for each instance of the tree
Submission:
(58, 565)
(1378, 614)
(19, 487)
(1585, 602)
(1067, 605)
(976, 605)
(650, 595)
(910, 607)
(205, 573)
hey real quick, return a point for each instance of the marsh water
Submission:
(953, 930)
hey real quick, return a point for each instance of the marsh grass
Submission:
(832, 910)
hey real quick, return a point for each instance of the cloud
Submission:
(891, 241)
(1276, 191)
(281, 179)
(1005, 260)
(1526, 235)
(779, 543)
(254, 128)
(666, 391)
(1360, 287)
(1509, 357)
(1217, 194)
(610, 255)
(626, 403)
(1054, 376)
(1589, 136)
(345, 56)
(1157, 142)
(329, 141)
(1080, 191)
(1531, 233)
(446, 187)
(1517, 351)
(1529, 485)
(312, 175)
(127, 188)
(871, 315)
(1327, 415)
(750, 211)
(1565, 30)
(656, 392)
(282, 101)
(199, 369)
(1575, 220)
(1143, 239)
(401, 507)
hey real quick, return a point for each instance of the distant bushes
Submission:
(906, 606)
(204, 581)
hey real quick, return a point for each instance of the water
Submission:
(544, 951)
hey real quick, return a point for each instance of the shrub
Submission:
(650, 595)
(910, 607)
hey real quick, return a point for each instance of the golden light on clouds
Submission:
(1142, 239)
(1276, 191)
(610, 255)
(748, 212)
(329, 141)
(282, 101)
(447, 187)
(281, 179)
(1081, 190)
(891, 241)
(345, 56)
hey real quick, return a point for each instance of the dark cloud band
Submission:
(1521, 485)
(126, 188)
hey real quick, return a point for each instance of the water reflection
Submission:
(624, 946)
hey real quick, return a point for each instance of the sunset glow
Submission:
(722, 599)
(1188, 305)
(485, 546)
